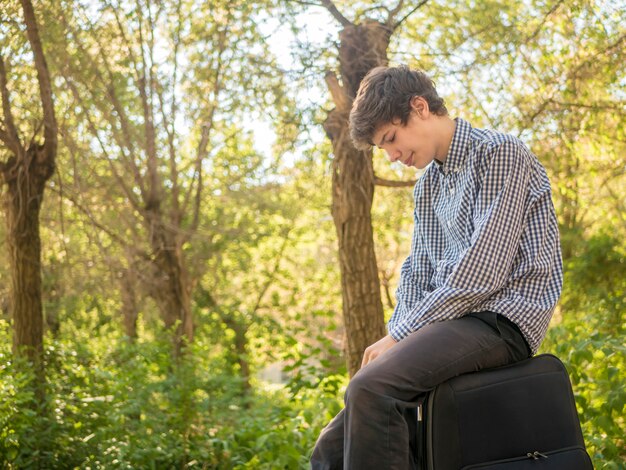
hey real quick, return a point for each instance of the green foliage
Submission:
(589, 338)
(597, 366)
(110, 404)
(278, 430)
(113, 404)
(24, 422)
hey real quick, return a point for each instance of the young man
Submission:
(481, 281)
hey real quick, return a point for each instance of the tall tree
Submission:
(161, 91)
(363, 45)
(24, 174)
(127, 94)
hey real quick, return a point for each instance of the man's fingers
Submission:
(367, 357)
(377, 349)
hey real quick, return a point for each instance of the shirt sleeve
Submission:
(415, 276)
(485, 265)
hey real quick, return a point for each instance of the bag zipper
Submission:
(421, 437)
(535, 455)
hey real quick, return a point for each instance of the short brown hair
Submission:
(385, 96)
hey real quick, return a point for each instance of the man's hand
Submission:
(377, 349)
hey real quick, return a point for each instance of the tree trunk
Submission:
(171, 289)
(128, 285)
(25, 174)
(22, 205)
(362, 47)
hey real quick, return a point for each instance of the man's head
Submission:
(392, 98)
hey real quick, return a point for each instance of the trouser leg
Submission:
(372, 432)
(328, 452)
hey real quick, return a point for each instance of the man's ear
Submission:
(420, 106)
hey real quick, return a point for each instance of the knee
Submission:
(363, 388)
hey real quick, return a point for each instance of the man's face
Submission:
(413, 144)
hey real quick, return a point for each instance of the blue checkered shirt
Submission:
(485, 238)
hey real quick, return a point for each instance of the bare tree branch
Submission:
(94, 131)
(131, 54)
(617, 44)
(73, 148)
(170, 120)
(272, 274)
(393, 184)
(395, 25)
(207, 126)
(109, 84)
(611, 174)
(104, 228)
(542, 107)
(8, 136)
(145, 86)
(204, 139)
(393, 12)
(595, 105)
(43, 78)
(537, 30)
(330, 6)
(572, 74)
(618, 203)
(340, 97)
(119, 109)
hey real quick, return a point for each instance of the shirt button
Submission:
(449, 223)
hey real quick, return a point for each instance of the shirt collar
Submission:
(457, 151)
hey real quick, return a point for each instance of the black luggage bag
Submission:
(516, 417)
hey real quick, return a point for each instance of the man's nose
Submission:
(394, 155)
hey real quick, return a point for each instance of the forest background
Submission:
(180, 169)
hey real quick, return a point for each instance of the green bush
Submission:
(114, 404)
(589, 338)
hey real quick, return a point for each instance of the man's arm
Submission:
(485, 266)
(415, 276)
(415, 273)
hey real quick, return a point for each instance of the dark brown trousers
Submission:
(374, 429)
